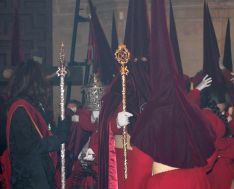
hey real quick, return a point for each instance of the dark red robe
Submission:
(222, 174)
(118, 152)
(140, 175)
(40, 127)
(76, 143)
(195, 96)
(116, 158)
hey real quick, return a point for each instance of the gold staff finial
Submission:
(122, 55)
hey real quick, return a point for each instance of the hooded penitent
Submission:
(211, 53)
(211, 50)
(104, 63)
(137, 37)
(175, 44)
(114, 36)
(227, 58)
(137, 41)
(175, 133)
(227, 62)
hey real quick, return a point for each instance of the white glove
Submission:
(80, 156)
(206, 82)
(90, 155)
(221, 66)
(75, 118)
(95, 116)
(123, 119)
(232, 79)
(230, 112)
(229, 118)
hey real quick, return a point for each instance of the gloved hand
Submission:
(206, 82)
(123, 119)
(221, 66)
(95, 116)
(230, 112)
(232, 79)
(75, 118)
(90, 155)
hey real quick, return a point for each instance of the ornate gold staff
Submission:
(61, 72)
(122, 55)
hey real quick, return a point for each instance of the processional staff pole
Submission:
(122, 55)
(61, 72)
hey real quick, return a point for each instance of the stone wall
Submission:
(189, 20)
(188, 17)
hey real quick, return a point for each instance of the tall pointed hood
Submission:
(137, 29)
(104, 63)
(175, 133)
(137, 41)
(227, 58)
(137, 85)
(174, 42)
(114, 36)
(91, 45)
(211, 50)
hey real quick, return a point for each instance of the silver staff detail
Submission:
(61, 72)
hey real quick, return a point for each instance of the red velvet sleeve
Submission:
(139, 170)
(195, 96)
(211, 161)
(197, 78)
(216, 123)
(85, 121)
(225, 147)
(231, 124)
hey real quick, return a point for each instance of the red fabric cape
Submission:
(39, 124)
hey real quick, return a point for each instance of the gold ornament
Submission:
(122, 55)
